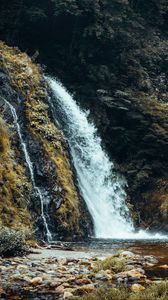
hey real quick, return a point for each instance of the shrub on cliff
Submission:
(12, 242)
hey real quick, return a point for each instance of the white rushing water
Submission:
(102, 189)
(30, 167)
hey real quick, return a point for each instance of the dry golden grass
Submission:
(154, 292)
(13, 205)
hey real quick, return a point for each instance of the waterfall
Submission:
(30, 167)
(101, 187)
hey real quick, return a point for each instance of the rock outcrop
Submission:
(23, 86)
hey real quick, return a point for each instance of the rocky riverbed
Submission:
(35, 277)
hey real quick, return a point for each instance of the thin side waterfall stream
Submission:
(30, 167)
(102, 189)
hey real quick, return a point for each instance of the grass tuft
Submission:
(114, 263)
(154, 292)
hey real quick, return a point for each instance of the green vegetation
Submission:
(154, 292)
(4, 138)
(27, 80)
(13, 242)
(13, 193)
(114, 263)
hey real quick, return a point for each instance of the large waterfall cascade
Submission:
(31, 171)
(102, 189)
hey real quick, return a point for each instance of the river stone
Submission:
(60, 289)
(22, 268)
(102, 275)
(27, 279)
(151, 259)
(136, 288)
(67, 295)
(84, 289)
(163, 266)
(2, 292)
(3, 268)
(135, 274)
(127, 253)
(62, 261)
(140, 270)
(132, 275)
(36, 281)
(85, 262)
(129, 267)
(56, 282)
(83, 281)
(62, 269)
(71, 278)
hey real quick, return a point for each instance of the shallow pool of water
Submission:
(103, 248)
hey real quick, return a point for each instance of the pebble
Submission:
(83, 281)
(136, 288)
(151, 259)
(103, 275)
(84, 289)
(163, 266)
(127, 253)
(67, 295)
(36, 280)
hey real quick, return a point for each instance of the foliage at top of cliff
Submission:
(91, 41)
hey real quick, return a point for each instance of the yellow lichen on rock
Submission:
(13, 206)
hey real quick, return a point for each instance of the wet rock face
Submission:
(23, 86)
(136, 135)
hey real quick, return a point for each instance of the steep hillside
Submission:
(14, 195)
(23, 86)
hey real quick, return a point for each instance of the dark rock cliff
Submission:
(114, 55)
